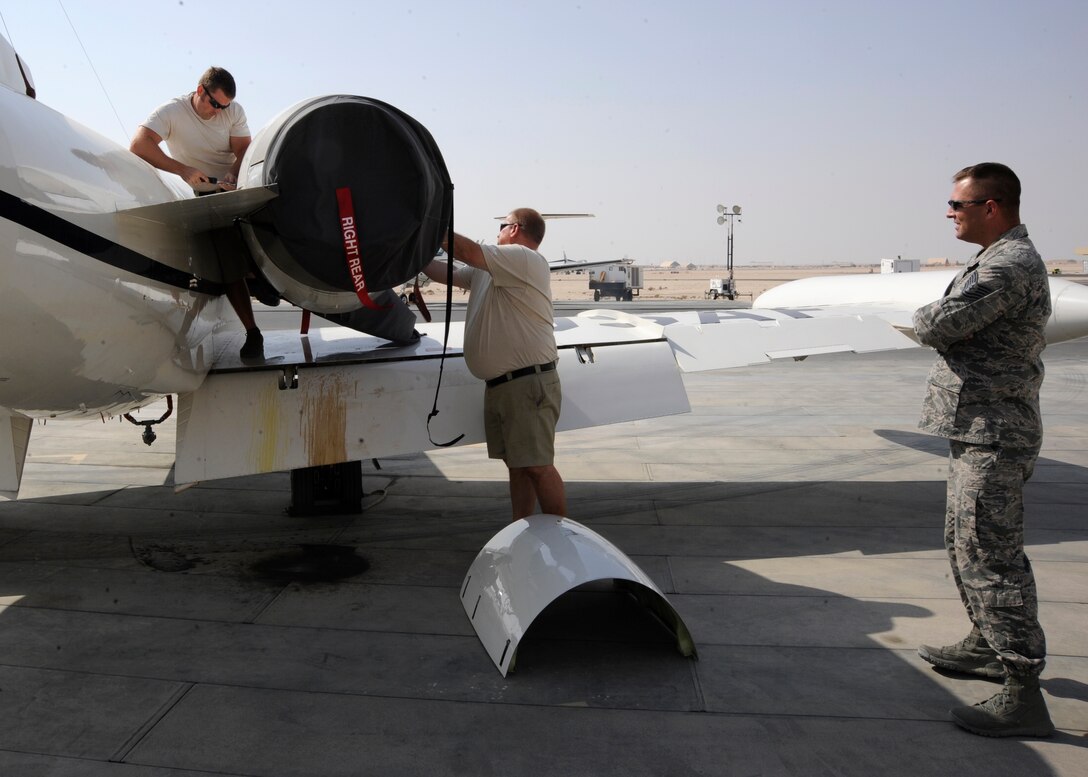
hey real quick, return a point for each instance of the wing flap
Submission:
(14, 441)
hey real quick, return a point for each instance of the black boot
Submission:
(253, 348)
(972, 655)
(1019, 710)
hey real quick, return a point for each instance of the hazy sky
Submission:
(835, 125)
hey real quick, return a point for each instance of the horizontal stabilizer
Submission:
(201, 214)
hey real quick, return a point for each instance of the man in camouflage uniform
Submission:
(988, 330)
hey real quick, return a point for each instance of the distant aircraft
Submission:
(571, 265)
(565, 264)
(111, 299)
(407, 290)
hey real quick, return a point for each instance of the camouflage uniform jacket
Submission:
(988, 330)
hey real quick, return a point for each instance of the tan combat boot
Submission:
(972, 655)
(1019, 710)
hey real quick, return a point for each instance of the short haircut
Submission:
(218, 78)
(998, 180)
(531, 221)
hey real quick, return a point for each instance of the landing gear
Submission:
(149, 435)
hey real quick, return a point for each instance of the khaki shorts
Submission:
(520, 417)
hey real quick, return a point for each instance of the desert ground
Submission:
(661, 283)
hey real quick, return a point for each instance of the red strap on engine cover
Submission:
(351, 248)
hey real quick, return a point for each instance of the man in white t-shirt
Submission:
(510, 345)
(207, 135)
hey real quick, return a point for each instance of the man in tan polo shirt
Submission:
(207, 134)
(510, 345)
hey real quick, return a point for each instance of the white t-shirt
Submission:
(509, 323)
(200, 143)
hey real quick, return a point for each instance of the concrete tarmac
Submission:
(793, 518)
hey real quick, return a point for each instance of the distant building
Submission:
(670, 265)
(939, 262)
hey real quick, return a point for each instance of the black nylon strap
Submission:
(446, 338)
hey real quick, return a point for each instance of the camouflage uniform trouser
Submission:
(984, 537)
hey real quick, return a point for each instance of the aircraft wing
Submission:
(339, 396)
(741, 337)
(336, 395)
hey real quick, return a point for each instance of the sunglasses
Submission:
(215, 103)
(958, 205)
(506, 224)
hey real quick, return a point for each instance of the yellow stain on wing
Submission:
(325, 420)
(267, 426)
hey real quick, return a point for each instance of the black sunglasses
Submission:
(215, 103)
(506, 224)
(958, 205)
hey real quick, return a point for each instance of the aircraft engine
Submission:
(364, 199)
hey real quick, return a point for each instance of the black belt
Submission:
(520, 374)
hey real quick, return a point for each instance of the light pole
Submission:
(727, 215)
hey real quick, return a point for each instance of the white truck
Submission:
(622, 281)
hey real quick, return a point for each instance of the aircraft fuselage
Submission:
(98, 315)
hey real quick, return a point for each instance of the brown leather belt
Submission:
(520, 374)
